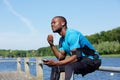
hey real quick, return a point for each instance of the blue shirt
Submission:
(74, 39)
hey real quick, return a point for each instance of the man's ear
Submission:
(63, 23)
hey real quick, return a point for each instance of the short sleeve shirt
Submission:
(73, 39)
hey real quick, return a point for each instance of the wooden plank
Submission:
(12, 75)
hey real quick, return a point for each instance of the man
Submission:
(83, 57)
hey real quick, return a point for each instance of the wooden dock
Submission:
(14, 75)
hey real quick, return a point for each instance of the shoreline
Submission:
(110, 55)
(104, 55)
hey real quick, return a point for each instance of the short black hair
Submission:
(63, 18)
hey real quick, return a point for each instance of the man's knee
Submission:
(68, 66)
(55, 68)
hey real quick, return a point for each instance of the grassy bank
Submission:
(110, 55)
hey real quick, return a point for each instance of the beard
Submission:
(57, 30)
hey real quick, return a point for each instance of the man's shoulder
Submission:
(73, 32)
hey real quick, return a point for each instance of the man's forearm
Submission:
(56, 52)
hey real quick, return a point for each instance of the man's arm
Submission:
(67, 60)
(70, 59)
(59, 54)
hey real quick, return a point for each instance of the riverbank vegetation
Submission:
(105, 42)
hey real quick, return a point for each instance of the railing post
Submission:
(39, 69)
(26, 63)
(62, 76)
(19, 65)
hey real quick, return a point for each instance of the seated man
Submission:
(83, 57)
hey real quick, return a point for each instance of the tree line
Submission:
(105, 42)
(103, 36)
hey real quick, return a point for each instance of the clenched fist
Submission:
(50, 39)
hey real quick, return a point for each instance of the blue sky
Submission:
(25, 24)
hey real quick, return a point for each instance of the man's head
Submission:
(57, 23)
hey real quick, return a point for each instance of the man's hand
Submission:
(50, 39)
(50, 63)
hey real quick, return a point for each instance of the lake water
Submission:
(97, 75)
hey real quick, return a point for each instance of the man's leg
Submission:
(83, 67)
(68, 71)
(75, 67)
(55, 72)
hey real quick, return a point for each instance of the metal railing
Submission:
(109, 69)
(39, 68)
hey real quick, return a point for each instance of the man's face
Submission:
(56, 24)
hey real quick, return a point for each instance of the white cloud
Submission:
(14, 40)
(22, 18)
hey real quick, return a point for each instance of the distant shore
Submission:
(110, 55)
